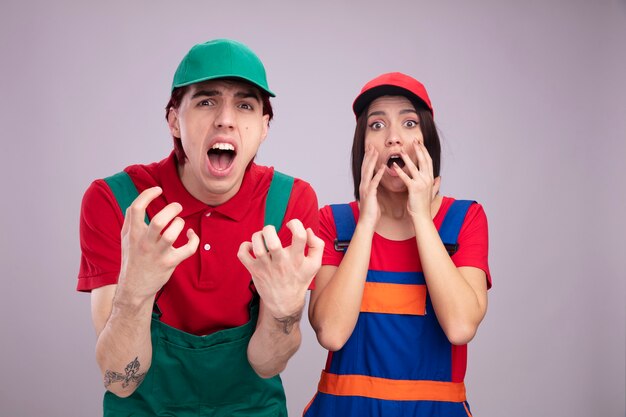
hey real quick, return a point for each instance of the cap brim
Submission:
(228, 76)
(365, 98)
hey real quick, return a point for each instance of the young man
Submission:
(197, 304)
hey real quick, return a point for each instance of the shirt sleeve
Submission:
(100, 242)
(474, 241)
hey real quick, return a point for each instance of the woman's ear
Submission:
(436, 186)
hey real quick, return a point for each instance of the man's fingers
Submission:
(316, 246)
(272, 242)
(298, 236)
(169, 236)
(137, 209)
(127, 220)
(188, 248)
(162, 219)
(245, 256)
(258, 245)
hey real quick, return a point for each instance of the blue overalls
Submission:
(398, 361)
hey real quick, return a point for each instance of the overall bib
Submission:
(397, 361)
(208, 375)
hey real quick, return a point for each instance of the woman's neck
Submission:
(395, 221)
(393, 205)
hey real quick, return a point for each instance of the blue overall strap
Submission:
(124, 191)
(277, 199)
(451, 226)
(344, 225)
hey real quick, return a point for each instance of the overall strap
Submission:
(124, 191)
(451, 226)
(277, 199)
(344, 225)
(275, 208)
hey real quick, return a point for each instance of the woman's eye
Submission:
(410, 123)
(376, 125)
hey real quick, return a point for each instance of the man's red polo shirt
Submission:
(210, 290)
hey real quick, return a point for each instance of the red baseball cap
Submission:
(392, 84)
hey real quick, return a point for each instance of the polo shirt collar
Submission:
(235, 208)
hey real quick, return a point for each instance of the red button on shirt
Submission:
(209, 291)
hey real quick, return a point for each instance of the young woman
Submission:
(404, 277)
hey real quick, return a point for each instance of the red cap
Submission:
(392, 84)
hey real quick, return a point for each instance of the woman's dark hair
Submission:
(429, 132)
(177, 97)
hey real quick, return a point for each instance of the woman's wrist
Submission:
(421, 218)
(365, 226)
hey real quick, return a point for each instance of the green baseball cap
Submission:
(221, 58)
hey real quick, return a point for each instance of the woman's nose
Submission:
(394, 140)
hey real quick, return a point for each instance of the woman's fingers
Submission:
(377, 177)
(368, 169)
(423, 158)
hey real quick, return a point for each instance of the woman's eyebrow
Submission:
(382, 112)
(376, 113)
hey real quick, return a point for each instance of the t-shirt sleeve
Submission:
(100, 242)
(474, 241)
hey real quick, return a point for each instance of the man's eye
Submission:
(246, 106)
(204, 103)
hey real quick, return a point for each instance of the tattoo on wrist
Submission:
(131, 375)
(288, 322)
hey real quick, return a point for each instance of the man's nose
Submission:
(225, 117)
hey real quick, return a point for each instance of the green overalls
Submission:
(203, 375)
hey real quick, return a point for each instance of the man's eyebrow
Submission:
(239, 94)
(247, 94)
(206, 93)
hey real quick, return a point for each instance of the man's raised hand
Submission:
(148, 254)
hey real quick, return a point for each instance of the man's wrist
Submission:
(130, 303)
(287, 323)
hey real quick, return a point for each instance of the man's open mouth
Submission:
(397, 159)
(221, 156)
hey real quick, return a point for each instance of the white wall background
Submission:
(530, 98)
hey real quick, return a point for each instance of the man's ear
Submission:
(266, 126)
(173, 123)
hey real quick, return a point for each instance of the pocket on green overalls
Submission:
(211, 375)
(186, 375)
